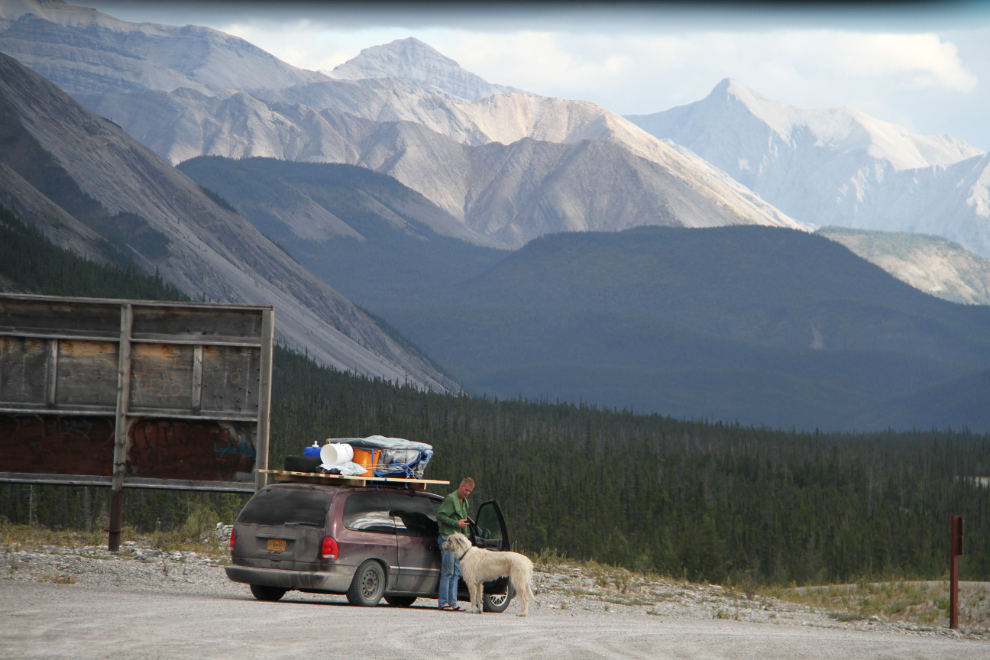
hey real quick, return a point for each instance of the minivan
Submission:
(366, 542)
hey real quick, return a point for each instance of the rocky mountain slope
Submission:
(362, 232)
(88, 184)
(411, 59)
(82, 50)
(837, 166)
(930, 263)
(413, 130)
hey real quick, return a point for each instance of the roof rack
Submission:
(337, 480)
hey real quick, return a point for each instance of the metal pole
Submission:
(955, 549)
(120, 428)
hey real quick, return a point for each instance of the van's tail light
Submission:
(232, 535)
(329, 548)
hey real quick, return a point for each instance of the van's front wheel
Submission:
(368, 585)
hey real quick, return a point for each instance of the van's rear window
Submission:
(283, 506)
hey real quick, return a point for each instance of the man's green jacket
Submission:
(451, 511)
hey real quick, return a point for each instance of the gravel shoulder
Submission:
(143, 602)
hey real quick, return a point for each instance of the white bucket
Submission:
(335, 454)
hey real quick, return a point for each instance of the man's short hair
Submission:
(467, 481)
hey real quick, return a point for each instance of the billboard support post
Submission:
(265, 397)
(120, 428)
(955, 549)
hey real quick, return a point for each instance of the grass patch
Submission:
(196, 535)
(908, 601)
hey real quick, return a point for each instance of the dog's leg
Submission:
(520, 579)
(522, 589)
(473, 590)
(527, 592)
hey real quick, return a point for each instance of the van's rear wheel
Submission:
(497, 603)
(267, 593)
(368, 584)
(400, 601)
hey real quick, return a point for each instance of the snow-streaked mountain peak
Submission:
(834, 166)
(844, 130)
(412, 59)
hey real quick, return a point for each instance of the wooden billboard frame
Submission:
(124, 413)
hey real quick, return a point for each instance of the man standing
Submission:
(452, 517)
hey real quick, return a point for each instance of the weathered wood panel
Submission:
(87, 373)
(22, 362)
(60, 317)
(191, 450)
(57, 445)
(187, 322)
(231, 379)
(161, 376)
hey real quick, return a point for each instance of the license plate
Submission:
(276, 545)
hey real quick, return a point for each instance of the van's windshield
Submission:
(287, 506)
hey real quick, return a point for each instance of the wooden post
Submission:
(264, 399)
(955, 549)
(120, 428)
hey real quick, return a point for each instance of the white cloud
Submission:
(914, 60)
(581, 64)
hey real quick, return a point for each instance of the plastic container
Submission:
(368, 459)
(312, 451)
(335, 454)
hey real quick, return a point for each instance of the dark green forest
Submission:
(701, 499)
(712, 501)
(33, 264)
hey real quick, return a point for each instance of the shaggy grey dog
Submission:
(478, 566)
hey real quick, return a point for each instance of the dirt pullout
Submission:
(145, 602)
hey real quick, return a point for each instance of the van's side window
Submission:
(368, 512)
(414, 516)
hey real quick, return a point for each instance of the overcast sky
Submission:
(923, 65)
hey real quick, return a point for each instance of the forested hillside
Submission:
(751, 324)
(703, 499)
(708, 500)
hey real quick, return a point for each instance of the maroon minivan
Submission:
(364, 542)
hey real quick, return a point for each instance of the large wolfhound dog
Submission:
(478, 566)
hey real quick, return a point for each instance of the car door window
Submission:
(490, 526)
(368, 512)
(414, 516)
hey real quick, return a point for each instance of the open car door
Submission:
(489, 529)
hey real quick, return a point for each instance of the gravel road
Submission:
(145, 603)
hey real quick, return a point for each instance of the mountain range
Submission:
(837, 166)
(758, 325)
(92, 188)
(413, 130)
